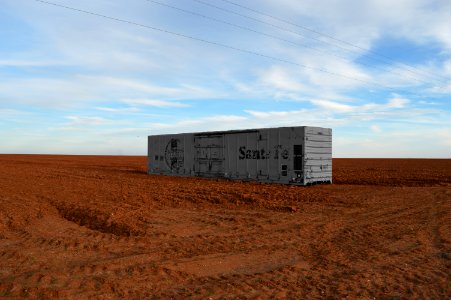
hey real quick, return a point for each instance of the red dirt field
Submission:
(80, 227)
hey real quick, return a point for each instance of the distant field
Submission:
(100, 227)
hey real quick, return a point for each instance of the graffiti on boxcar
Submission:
(276, 153)
(174, 154)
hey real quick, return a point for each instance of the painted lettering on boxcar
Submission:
(174, 155)
(262, 153)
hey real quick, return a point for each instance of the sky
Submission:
(378, 72)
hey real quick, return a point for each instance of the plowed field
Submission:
(81, 227)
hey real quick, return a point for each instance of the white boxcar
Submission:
(295, 155)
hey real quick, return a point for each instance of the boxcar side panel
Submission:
(273, 162)
(298, 155)
(240, 151)
(170, 154)
(263, 170)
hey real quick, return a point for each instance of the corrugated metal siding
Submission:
(300, 155)
(318, 159)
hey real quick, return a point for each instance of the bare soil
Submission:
(80, 227)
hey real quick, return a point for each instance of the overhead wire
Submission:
(280, 39)
(204, 41)
(375, 56)
(333, 38)
(394, 90)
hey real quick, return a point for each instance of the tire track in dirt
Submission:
(80, 227)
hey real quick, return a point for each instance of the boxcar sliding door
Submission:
(209, 155)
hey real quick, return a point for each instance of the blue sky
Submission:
(73, 83)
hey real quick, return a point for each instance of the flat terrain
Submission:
(100, 227)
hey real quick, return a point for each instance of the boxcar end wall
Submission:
(295, 155)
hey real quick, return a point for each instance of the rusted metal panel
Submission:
(295, 155)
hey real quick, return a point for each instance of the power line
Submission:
(442, 78)
(394, 90)
(277, 38)
(376, 56)
(209, 42)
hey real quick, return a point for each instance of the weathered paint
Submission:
(295, 155)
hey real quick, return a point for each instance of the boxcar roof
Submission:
(207, 133)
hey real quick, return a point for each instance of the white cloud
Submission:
(225, 118)
(333, 106)
(361, 22)
(29, 63)
(214, 122)
(279, 78)
(119, 110)
(428, 102)
(4, 112)
(393, 103)
(180, 91)
(396, 142)
(82, 90)
(444, 134)
(376, 128)
(397, 102)
(81, 120)
(39, 92)
(154, 103)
